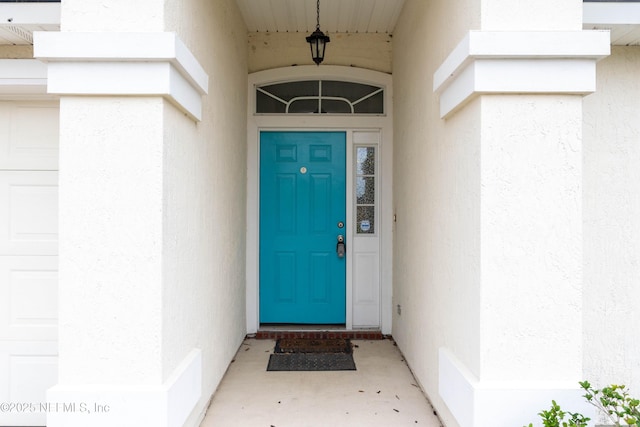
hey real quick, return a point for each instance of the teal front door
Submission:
(302, 214)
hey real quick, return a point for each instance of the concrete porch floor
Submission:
(381, 392)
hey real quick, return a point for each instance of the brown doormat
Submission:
(311, 362)
(304, 354)
(308, 345)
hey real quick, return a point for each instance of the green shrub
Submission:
(555, 416)
(613, 401)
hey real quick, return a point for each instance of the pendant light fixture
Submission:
(317, 40)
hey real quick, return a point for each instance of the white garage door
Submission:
(28, 258)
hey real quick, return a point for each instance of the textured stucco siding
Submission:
(274, 50)
(205, 198)
(112, 15)
(531, 221)
(540, 15)
(111, 246)
(488, 238)
(436, 198)
(612, 222)
(166, 195)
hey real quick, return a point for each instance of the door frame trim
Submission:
(320, 123)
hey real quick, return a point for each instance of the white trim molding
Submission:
(476, 403)
(143, 64)
(610, 13)
(22, 77)
(516, 62)
(166, 405)
(382, 126)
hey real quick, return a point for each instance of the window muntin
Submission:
(320, 97)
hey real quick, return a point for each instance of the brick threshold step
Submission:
(317, 334)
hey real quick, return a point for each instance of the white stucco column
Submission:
(526, 88)
(115, 91)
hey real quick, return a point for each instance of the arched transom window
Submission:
(319, 96)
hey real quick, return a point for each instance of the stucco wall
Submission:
(487, 244)
(112, 15)
(205, 197)
(180, 251)
(437, 199)
(612, 222)
(110, 246)
(531, 242)
(509, 15)
(274, 50)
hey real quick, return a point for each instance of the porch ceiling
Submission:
(336, 16)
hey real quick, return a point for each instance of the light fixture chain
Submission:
(317, 40)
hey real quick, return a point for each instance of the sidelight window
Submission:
(365, 189)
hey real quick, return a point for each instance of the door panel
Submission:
(29, 135)
(27, 370)
(28, 213)
(302, 200)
